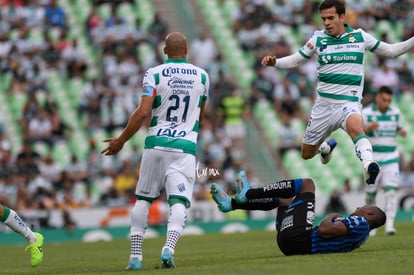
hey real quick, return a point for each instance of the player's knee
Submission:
(309, 151)
(308, 185)
(307, 155)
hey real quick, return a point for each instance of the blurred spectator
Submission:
(34, 13)
(12, 13)
(202, 50)
(27, 159)
(218, 65)
(40, 128)
(157, 30)
(74, 60)
(49, 53)
(125, 181)
(55, 15)
(233, 112)
(289, 136)
(286, 97)
(41, 192)
(77, 172)
(60, 129)
(37, 80)
(92, 23)
(261, 87)
(63, 41)
(51, 170)
(221, 89)
(406, 77)
(69, 197)
(386, 76)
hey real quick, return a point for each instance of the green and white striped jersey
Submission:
(384, 138)
(341, 60)
(179, 89)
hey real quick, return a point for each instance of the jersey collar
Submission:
(176, 60)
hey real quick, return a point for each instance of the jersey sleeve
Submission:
(356, 224)
(400, 122)
(309, 48)
(149, 84)
(371, 43)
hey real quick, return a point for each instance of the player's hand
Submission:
(115, 145)
(402, 133)
(373, 126)
(269, 60)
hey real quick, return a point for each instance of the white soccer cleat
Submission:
(325, 158)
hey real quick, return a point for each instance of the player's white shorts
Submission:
(327, 117)
(173, 170)
(389, 176)
(234, 131)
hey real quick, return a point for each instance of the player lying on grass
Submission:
(10, 218)
(295, 203)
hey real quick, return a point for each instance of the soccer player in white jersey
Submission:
(340, 67)
(382, 123)
(174, 97)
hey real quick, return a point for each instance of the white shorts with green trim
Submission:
(173, 170)
(326, 117)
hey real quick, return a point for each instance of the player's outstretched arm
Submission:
(395, 49)
(135, 122)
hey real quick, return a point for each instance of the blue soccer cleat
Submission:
(325, 158)
(242, 186)
(134, 264)
(221, 198)
(167, 258)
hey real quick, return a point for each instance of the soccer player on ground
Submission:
(10, 218)
(174, 97)
(295, 203)
(340, 67)
(382, 123)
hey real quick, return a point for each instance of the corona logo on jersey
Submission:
(168, 72)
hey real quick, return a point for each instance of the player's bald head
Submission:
(175, 45)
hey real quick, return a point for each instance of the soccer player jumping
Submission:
(340, 67)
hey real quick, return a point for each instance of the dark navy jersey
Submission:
(358, 232)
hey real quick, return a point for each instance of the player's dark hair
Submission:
(338, 4)
(379, 220)
(385, 90)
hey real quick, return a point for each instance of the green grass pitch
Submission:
(254, 252)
